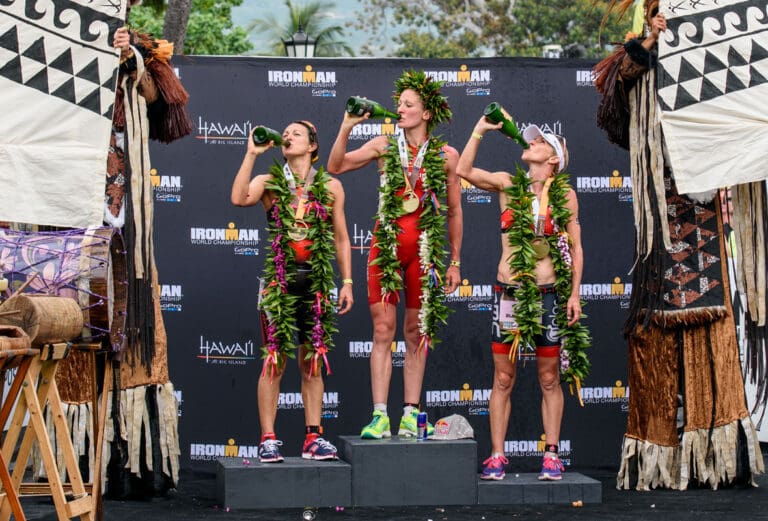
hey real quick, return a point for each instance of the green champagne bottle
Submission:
(495, 113)
(263, 135)
(359, 106)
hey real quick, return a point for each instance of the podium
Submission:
(390, 472)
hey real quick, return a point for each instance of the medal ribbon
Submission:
(301, 194)
(410, 172)
(540, 206)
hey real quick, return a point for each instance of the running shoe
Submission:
(494, 468)
(318, 449)
(551, 468)
(409, 425)
(378, 428)
(269, 451)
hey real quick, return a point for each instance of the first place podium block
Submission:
(403, 471)
(294, 483)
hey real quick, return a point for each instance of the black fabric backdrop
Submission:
(210, 254)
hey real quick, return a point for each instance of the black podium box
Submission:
(403, 471)
(526, 489)
(294, 483)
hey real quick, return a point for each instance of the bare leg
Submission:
(552, 397)
(415, 358)
(268, 393)
(381, 355)
(500, 406)
(312, 387)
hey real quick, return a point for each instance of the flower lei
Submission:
(432, 243)
(280, 270)
(574, 363)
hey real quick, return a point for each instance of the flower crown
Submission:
(429, 90)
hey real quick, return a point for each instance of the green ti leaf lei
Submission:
(280, 270)
(432, 242)
(574, 363)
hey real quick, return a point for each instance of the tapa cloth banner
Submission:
(58, 73)
(713, 91)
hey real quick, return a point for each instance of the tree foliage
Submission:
(472, 28)
(210, 29)
(313, 18)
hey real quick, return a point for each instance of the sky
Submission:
(344, 11)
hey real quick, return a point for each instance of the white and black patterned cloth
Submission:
(713, 91)
(58, 74)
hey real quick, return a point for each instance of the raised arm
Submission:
(247, 192)
(340, 161)
(343, 247)
(455, 220)
(577, 258)
(483, 179)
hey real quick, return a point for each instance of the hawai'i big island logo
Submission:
(216, 132)
(226, 352)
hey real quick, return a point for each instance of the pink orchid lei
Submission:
(280, 270)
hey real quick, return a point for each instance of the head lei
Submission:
(429, 91)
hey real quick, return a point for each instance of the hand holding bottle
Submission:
(483, 125)
(359, 106)
(262, 139)
(495, 112)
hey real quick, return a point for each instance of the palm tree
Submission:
(311, 17)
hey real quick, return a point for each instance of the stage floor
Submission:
(195, 499)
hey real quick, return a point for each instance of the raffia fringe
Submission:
(133, 419)
(696, 459)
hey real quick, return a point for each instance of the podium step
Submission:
(294, 483)
(526, 489)
(403, 471)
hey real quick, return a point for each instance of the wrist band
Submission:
(477, 136)
(456, 263)
(347, 281)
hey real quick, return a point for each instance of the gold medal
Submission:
(410, 202)
(299, 232)
(540, 247)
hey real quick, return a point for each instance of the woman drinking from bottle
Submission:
(305, 214)
(536, 298)
(420, 194)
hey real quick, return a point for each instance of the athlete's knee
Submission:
(549, 380)
(503, 381)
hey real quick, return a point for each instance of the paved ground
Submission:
(195, 499)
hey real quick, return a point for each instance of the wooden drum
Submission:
(87, 265)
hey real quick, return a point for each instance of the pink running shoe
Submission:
(551, 468)
(494, 468)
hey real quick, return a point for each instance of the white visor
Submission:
(531, 132)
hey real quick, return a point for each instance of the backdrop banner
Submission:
(58, 74)
(713, 89)
(211, 253)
